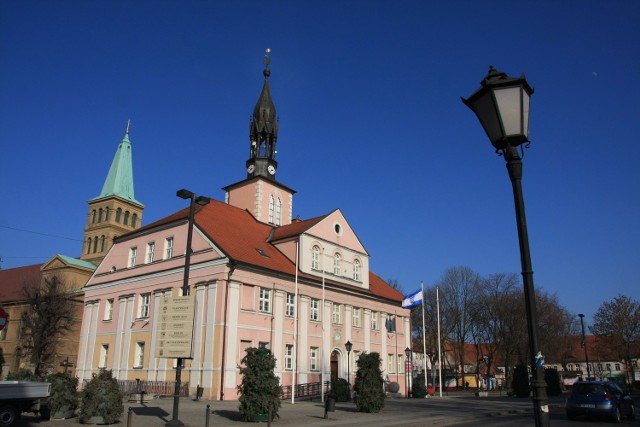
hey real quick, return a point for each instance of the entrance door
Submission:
(334, 365)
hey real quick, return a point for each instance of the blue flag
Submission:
(412, 300)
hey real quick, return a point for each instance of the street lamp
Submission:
(200, 200)
(407, 374)
(583, 344)
(348, 346)
(502, 106)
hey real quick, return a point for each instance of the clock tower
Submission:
(263, 132)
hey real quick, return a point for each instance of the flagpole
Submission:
(295, 332)
(439, 342)
(424, 335)
(322, 314)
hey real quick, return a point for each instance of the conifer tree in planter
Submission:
(369, 386)
(101, 401)
(419, 389)
(63, 401)
(260, 388)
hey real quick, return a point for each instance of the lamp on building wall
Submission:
(348, 346)
(407, 371)
(200, 200)
(583, 344)
(502, 106)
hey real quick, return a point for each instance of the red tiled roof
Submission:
(12, 281)
(244, 239)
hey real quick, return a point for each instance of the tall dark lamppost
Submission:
(583, 344)
(502, 106)
(407, 352)
(348, 346)
(200, 200)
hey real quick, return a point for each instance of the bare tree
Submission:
(618, 323)
(50, 316)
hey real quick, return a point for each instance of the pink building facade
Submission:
(301, 288)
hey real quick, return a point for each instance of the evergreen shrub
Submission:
(369, 385)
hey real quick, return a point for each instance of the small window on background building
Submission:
(126, 218)
(133, 254)
(288, 357)
(139, 356)
(291, 305)
(108, 309)
(315, 258)
(134, 220)
(264, 304)
(313, 358)
(356, 317)
(314, 309)
(118, 214)
(151, 247)
(337, 313)
(145, 302)
(168, 248)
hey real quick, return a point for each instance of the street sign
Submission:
(174, 328)
(4, 318)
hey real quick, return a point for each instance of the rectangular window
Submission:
(133, 254)
(104, 355)
(356, 317)
(151, 247)
(314, 309)
(108, 309)
(291, 305)
(264, 304)
(288, 357)
(145, 302)
(313, 359)
(617, 366)
(337, 314)
(401, 363)
(139, 356)
(391, 323)
(391, 364)
(374, 320)
(265, 345)
(168, 248)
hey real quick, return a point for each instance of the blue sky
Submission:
(371, 122)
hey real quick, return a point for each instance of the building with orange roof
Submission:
(257, 278)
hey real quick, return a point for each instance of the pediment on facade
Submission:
(336, 229)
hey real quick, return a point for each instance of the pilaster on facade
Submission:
(231, 324)
(209, 349)
(303, 339)
(366, 318)
(384, 353)
(326, 340)
(278, 319)
(87, 342)
(126, 347)
(199, 323)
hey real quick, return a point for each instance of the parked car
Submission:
(599, 399)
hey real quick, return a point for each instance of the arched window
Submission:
(95, 245)
(315, 258)
(337, 264)
(106, 214)
(356, 270)
(279, 211)
(118, 214)
(100, 215)
(89, 245)
(271, 208)
(134, 220)
(93, 217)
(126, 218)
(102, 240)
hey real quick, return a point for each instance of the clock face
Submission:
(251, 168)
(271, 169)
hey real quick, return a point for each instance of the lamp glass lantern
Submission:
(502, 106)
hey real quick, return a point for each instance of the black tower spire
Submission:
(263, 132)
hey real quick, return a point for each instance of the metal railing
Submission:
(156, 388)
(306, 391)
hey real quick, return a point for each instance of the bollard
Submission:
(329, 406)
(129, 416)
(269, 417)
(206, 420)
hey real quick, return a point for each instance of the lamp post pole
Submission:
(348, 346)
(201, 200)
(502, 106)
(407, 373)
(583, 344)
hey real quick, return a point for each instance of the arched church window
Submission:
(337, 264)
(102, 240)
(100, 215)
(93, 217)
(271, 208)
(315, 258)
(279, 211)
(126, 218)
(106, 214)
(134, 220)
(118, 214)
(95, 245)
(89, 245)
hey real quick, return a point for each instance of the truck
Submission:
(17, 397)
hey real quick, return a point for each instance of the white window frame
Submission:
(133, 255)
(288, 357)
(391, 363)
(168, 248)
(271, 208)
(337, 264)
(290, 307)
(104, 356)
(144, 308)
(356, 270)
(336, 316)
(313, 358)
(315, 258)
(400, 359)
(357, 317)
(138, 362)
(278, 211)
(108, 310)
(264, 302)
(314, 309)
(151, 248)
(374, 320)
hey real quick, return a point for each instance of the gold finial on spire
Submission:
(267, 60)
(128, 125)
